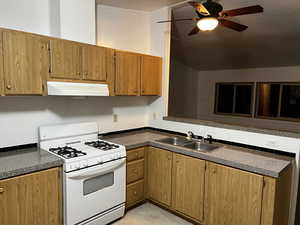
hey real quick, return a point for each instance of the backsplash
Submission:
(20, 117)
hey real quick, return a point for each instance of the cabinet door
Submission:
(159, 175)
(65, 60)
(233, 197)
(25, 63)
(1, 65)
(188, 186)
(111, 70)
(32, 199)
(94, 63)
(128, 73)
(151, 75)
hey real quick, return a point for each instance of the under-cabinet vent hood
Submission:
(77, 89)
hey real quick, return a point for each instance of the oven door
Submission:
(91, 191)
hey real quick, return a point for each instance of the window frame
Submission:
(278, 117)
(235, 84)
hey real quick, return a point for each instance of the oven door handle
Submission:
(80, 175)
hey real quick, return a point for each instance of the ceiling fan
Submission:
(211, 14)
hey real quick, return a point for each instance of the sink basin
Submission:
(175, 141)
(199, 146)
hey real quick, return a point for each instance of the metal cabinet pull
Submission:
(1, 190)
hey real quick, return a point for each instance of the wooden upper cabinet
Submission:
(188, 186)
(233, 197)
(111, 70)
(65, 60)
(25, 63)
(151, 75)
(1, 65)
(159, 170)
(31, 199)
(94, 63)
(128, 73)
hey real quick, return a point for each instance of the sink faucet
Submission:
(209, 138)
(190, 135)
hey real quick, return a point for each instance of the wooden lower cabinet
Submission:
(208, 193)
(135, 177)
(32, 199)
(135, 193)
(135, 171)
(159, 177)
(188, 186)
(233, 197)
(276, 199)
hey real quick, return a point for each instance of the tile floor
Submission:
(149, 214)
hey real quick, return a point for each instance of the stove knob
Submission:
(100, 160)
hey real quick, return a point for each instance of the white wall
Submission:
(26, 15)
(123, 29)
(20, 117)
(68, 19)
(78, 20)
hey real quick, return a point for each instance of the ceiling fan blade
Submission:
(199, 8)
(170, 21)
(243, 11)
(233, 25)
(194, 31)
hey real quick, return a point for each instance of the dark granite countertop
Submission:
(26, 160)
(263, 163)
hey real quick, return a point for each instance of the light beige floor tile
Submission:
(149, 214)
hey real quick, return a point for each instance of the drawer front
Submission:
(135, 193)
(135, 154)
(135, 171)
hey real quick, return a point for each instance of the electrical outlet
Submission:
(115, 118)
(154, 116)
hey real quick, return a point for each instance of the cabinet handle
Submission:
(78, 73)
(8, 87)
(135, 170)
(137, 154)
(135, 193)
(169, 157)
(1, 190)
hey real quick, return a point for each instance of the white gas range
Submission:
(94, 173)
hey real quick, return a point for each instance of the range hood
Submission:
(77, 89)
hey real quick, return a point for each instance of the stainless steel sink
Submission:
(200, 146)
(175, 141)
(193, 145)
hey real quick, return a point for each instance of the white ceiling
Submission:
(143, 5)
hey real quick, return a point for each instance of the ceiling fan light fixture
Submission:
(208, 23)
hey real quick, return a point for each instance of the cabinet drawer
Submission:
(135, 193)
(135, 171)
(135, 154)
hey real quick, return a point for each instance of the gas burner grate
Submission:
(67, 152)
(102, 145)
